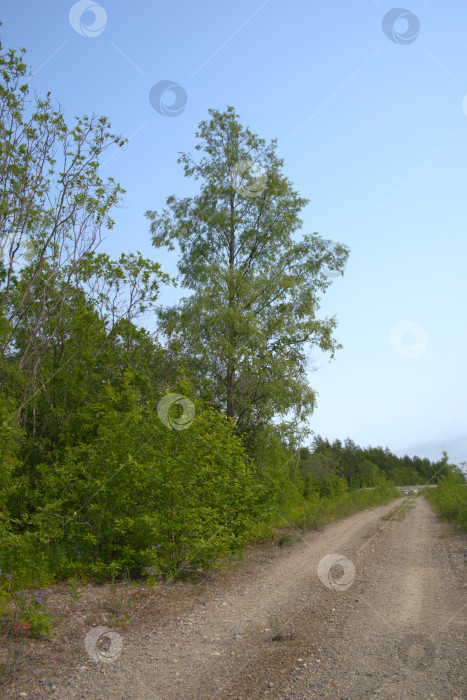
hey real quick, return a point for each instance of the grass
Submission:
(279, 630)
(316, 512)
(400, 512)
(284, 539)
(450, 500)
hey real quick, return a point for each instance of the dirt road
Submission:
(387, 621)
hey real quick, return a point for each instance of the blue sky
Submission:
(373, 131)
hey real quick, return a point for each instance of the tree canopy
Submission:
(247, 328)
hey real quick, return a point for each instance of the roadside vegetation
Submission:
(316, 511)
(450, 499)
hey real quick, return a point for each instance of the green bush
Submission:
(133, 492)
(450, 500)
(329, 486)
(11, 436)
(278, 477)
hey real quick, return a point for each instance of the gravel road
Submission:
(384, 618)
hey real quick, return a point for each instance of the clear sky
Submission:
(371, 121)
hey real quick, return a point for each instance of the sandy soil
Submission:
(384, 617)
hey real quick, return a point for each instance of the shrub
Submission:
(131, 483)
(450, 499)
(329, 486)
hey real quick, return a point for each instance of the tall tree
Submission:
(251, 319)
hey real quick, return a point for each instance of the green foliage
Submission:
(5, 591)
(369, 473)
(316, 511)
(330, 486)
(132, 483)
(279, 480)
(363, 467)
(11, 436)
(450, 499)
(29, 613)
(74, 591)
(246, 330)
(277, 627)
(53, 206)
(384, 486)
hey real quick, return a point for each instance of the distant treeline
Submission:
(362, 466)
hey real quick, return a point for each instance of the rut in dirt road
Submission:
(388, 623)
